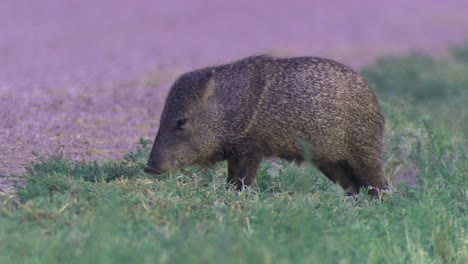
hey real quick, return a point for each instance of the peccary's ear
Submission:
(210, 87)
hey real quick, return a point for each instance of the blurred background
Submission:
(88, 78)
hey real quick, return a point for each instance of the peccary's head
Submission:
(189, 126)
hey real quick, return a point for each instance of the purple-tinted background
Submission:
(88, 78)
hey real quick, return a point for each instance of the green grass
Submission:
(418, 86)
(113, 213)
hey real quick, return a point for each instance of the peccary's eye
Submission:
(181, 123)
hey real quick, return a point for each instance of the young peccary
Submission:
(264, 106)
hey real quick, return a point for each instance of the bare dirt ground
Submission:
(88, 78)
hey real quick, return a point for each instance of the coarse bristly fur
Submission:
(265, 106)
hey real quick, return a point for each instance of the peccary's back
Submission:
(319, 101)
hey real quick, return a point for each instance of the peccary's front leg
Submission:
(233, 172)
(247, 170)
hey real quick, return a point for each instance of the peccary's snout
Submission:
(156, 165)
(158, 161)
(151, 170)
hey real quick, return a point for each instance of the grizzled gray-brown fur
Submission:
(264, 106)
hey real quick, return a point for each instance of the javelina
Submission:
(264, 106)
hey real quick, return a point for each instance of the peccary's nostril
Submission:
(150, 170)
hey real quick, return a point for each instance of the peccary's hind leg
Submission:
(369, 172)
(339, 172)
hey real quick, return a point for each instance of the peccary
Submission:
(265, 106)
